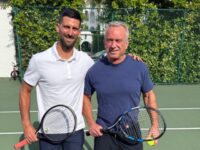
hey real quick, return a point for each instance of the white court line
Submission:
(10, 133)
(189, 108)
(15, 112)
(176, 129)
(94, 110)
(168, 129)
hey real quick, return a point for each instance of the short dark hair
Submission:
(69, 12)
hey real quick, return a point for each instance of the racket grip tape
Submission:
(20, 144)
(88, 133)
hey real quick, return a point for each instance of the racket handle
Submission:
(88, 133)
(103, 130)
(21, 144)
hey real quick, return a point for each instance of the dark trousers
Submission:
(110, 142)
(74, 142)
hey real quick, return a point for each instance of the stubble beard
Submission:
(67, 46)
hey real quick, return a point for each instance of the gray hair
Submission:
(117, 24)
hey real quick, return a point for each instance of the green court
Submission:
(180, 105)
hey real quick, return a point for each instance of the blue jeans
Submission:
(74, 142)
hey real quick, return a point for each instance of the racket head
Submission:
(137, 124)
(146, 126)
(58, 123)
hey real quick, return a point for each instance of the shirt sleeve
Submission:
(88, 89)
(31, 75)
(147, 82)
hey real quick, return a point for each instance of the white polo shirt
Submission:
(59, 81)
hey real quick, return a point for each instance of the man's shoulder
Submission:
(42, 54)
(84, 57)
(98, 66)
(83, 54)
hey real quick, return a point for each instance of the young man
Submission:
(58, 74)
(118, 81)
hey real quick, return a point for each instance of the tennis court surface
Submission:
(180, 105)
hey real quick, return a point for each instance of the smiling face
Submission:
(68, 30)
(116, 43)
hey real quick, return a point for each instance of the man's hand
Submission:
(94, 130)
(153, 132)
(135, 57)
(30, 134)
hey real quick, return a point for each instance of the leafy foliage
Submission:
(34, 26)
(35, 29)
(167, 40)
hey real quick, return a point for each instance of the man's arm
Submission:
(150, 100)
(94, 128)
(24, 105)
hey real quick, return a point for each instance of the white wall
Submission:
(7, 48)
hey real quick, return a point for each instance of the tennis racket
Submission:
(139, 124)
(57, 124)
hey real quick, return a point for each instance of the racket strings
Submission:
(130, 126)
(137, 124)
(151, 122)
(144, 120)
(59, 120)
(58, 123)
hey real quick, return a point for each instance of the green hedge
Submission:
(167, 40)
(34, 30)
